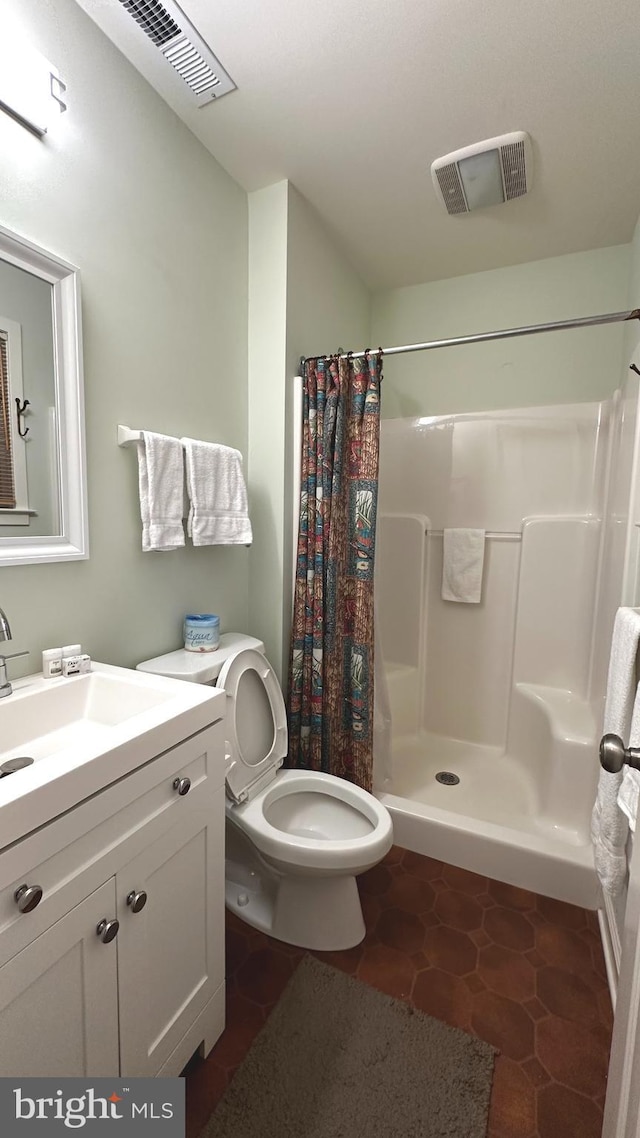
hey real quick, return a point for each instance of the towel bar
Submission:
(127, 437)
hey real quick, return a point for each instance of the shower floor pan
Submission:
(489, 822)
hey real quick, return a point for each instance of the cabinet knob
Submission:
(108, 930)
(137, 900)
(27, 897)
(182, 785)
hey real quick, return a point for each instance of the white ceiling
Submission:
(353, 99)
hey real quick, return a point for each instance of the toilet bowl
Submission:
(295, 839)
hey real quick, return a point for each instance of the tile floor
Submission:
(522, 972)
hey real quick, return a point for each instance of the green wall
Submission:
(123, 190)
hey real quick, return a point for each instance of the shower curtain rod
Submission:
(502, 334)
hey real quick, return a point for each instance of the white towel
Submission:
(462, 564)
(609, 825)
(161, 487)
(218, 512)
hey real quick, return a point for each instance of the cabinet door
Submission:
(171, 952)
(59, 998)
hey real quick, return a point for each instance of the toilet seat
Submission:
(255, 724)
(346, 854)
(345, 830)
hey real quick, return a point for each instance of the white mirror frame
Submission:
(72, 543)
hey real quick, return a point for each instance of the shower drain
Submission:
(447, 778)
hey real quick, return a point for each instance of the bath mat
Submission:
(337, 1059)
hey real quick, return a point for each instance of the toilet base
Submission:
(322, 913)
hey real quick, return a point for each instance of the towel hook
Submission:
(633, 367)
(20, 410)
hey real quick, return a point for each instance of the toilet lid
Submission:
(255, 723)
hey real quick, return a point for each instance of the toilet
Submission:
(295, 839)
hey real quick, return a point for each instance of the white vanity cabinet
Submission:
(143, 862)
(59, 998)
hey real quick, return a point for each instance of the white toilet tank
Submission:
(200, 667)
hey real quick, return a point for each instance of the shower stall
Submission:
(488, 715)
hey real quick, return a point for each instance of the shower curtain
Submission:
(331, 679)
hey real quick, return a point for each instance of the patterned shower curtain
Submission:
(331, 672)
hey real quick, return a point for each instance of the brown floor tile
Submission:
(511, 897)
(567, 995)
(346, 960)
(401, 930)
(464, 880)
(206, 1084)
(509, 929)
(507, 972)
(605, 1009)
(376, 880)
(480, 938)
(444, 996)
(535, 1009)
(504, 1024)
(485, 900)
(371, 910)
(574, 1055)
(530, 981)
(388, 970)
(458, 910)
(474, 983)
(564, 1114)
(560, 913)
(512, 1112)
(563, 948)
(419, 866)
(237, 949)
(263, 976)
(410, 893)
(535, 1072)
(451, 950)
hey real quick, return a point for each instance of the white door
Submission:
(59, 998)
(622, 1110)
(171, 951)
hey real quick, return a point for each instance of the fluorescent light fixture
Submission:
(484, 174)
(27, 84)
(482, 179)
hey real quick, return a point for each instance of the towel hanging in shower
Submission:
(462, 565)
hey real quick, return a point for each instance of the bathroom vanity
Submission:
(111, 875)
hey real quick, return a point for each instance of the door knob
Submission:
(182, 785)
(614, 754)
(108, 930)
(137, 900)
(27, 897)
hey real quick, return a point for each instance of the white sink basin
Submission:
(87, 731)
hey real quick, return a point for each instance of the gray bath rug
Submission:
(337, 1059)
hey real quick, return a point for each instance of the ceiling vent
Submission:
(168, 28)
(487, 173)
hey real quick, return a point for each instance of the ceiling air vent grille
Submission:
(451, 187)
(153, 18)
(168, 28)
(513, 170)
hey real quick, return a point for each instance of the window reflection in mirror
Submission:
(29, 491)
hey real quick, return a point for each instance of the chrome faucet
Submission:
(5, 634)
(5, 627)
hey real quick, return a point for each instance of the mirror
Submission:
(43, 499)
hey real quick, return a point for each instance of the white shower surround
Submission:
(501, 693)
